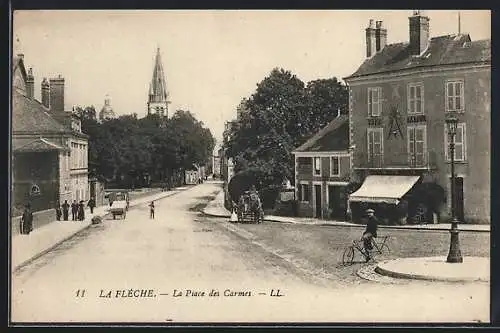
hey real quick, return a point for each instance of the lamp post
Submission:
(454, 255)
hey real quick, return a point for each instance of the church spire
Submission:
(158, 95)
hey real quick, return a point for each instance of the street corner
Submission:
(368, 273)
(472, 269)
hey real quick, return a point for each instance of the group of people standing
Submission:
(77, 210)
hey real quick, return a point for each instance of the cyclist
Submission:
(370, 232)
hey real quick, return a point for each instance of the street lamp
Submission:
(454, 255)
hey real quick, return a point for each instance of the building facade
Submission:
(399, 99)
(322, 171)
(49, 149)
(158, 94)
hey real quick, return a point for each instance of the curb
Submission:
(398, 275)
(353, 225)
(71, 235)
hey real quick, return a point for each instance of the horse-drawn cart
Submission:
(249, 208)
(118, 208)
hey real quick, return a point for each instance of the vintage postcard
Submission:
(236, 166)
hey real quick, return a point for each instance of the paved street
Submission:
(181, 250)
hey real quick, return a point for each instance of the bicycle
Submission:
(379, 246)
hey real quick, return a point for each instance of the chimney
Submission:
(45, 93)
(370, 39)
(30, 84)
(57, 94)
(380, 36)
(419, 32)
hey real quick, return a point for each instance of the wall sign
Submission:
(34, 189)
(394, 123)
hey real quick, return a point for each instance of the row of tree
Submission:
(278, 117)
(131, 151)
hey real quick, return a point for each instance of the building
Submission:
(49, 150)
(158, 95)
(217, 162)
(106, 112)
(398, 101)
(322, 171)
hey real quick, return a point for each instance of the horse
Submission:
(250, 203)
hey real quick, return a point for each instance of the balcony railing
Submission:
(395, 161)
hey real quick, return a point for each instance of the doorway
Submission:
(317, 201)
(337, 202)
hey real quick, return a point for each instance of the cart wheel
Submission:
(348, 256)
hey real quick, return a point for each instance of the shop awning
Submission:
(384, 189)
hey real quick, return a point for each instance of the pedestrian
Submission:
(81, 211)
(91, 205)
(74, 210)
(65, 210)
(27, 220)
(58, 211)
(152, 210)
(370, 232)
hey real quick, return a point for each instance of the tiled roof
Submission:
(332, 137)
(443, 50)
(38, 145)
(30, 116)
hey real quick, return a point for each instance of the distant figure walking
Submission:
(91, 205)
(58, 211)
(65, 209)
(27, 220)
(152, 210)
(81, 211)
(74, 210)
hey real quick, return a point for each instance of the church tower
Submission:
(158, 95)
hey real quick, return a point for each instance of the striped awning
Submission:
(384, 189)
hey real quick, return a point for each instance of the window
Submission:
(417, 145)
(317, 166)
(334, 166)
(460, 144)
(304, 192)
(415, 98)
(375, 145)
(455, 96)
(374, 97)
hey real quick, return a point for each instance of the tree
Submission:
(324, 98)
(126, 149)
(280, 116)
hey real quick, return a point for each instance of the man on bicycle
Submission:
(370, 232)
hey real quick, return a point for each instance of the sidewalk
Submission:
(26, 248)
(216, 208)
(472, 269)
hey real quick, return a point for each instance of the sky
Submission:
(211, 58)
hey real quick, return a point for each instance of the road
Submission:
(196, 270)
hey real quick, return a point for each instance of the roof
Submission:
(29, 115)
(442, 50)
(37, 145)
(332, 137)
